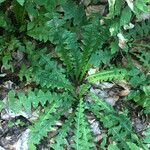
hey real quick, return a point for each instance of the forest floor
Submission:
(14, 129)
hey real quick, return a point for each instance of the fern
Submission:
(59, 139)
(91, 41)
(75, 12)
(1, 105)
(18, 101)
(143, 56)
(82, 137)
(9, 46)
(140, 98)
(136, 7)
(50, 75)
(44, 124)
(113, 147)
(141, 29)
(107, 75)
(119, 127)
(67, 46)
(100, 57)
(46, 72)
(48, 118)
(147, 136)
(60, 41)
(140, 83)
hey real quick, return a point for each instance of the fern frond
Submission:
(48, 118)
(60, 140)
(107, 75)
(51, 75)
(102, 104)
(74, 12)
(141, 98)
(147, 136)
(18, 101)
(44, 124)
(118, 125)
(65, 41)
(38, 29)
(69, 51)
(46, 72)
(82, 138)
(144, 58)
(133, 146)
(92, 40)
(146, 90)
(1, 105)
(141, 29)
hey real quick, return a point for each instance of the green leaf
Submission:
(130, 4)
(13, 104)
(113, 147)
(125, 16)
(18, 100)
(1, 105)
(2, 20)
(71, 10)
(21, 2)
(133, 146)
(50, 5)
(6, 61)
(142, 5)
(47, 119)
(111, 7)
(146, 89)
(82, 135)
(147, 136)
(59, 139)
(114, 47)
(114, 27)
(104, 142)
(101, 103)
(107, 75)
(1, 1)
(44, 123)
(83, 89)
(40, 2)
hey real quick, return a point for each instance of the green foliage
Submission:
(44, 123)
(67, 41)
(140, 92)
(147, 136)
(113, 147)
(59, 42)
(47, 119)
(44, 70)
(8, 46)
(136, 7)
(18, 101)
(1, 105)
(139, 76)
(21, 2)
(107, 75)
(133, 146)
(82, 138)
(60, 140)
(119, 126)
(141, 29)
(125, 16)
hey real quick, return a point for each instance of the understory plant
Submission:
(52, 44)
